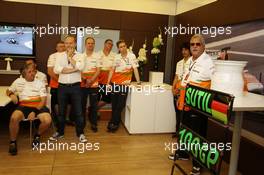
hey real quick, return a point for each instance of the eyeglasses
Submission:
(195, 44)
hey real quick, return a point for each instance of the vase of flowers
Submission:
(157, 43)
(130, 48)
(142, 60)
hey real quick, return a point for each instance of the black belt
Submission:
(70, 84)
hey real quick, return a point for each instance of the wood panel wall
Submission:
(39, 15)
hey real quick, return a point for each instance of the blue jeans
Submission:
(72, 93)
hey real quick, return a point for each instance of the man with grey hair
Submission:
(200, 72)
(30, 93)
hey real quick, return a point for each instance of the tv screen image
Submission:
(16, 40)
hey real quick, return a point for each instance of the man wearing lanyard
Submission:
(120, 75)
(181, 68)
(68, 66)
(199, 74)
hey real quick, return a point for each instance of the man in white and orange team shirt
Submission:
(181, 68)
(39, 75)
(199, 73)
(30, 95)
(107, 58)
(54, 84)
(120, 75)
(90, 83)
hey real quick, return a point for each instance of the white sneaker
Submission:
(195, 171)
(56, 136)
(82, 138)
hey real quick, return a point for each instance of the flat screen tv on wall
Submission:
(17, 40)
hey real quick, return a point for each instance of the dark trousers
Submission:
(72, 93)
(178, 114)
(119, 96)
(54, 102)
(93, 99)
(197, 123)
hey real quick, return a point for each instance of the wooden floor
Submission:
(119, 154)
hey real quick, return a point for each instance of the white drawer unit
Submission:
(150, 111)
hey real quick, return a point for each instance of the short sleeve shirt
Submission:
(29, 93)
(124, 68)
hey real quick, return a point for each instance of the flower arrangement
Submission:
(142, 59)
(142, 54)
(130, 48)
(157, 43)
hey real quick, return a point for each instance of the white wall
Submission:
(187, 5)
(99, 40)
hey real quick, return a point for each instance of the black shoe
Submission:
(182, 155)
(109, 126)
(195, 171)
(94, 128)
(13, 149)
(174, 135)
(112, 127)
(36, 141)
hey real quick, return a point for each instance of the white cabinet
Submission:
(156, 77)
(150, 110)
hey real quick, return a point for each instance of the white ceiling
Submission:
(166, 7)
(187, 5)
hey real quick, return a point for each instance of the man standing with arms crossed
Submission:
(68, 66)
(107, 57)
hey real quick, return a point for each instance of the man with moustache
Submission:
(199, 73)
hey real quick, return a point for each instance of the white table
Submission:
(150, 112)
(4, 100)
(248, 102)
